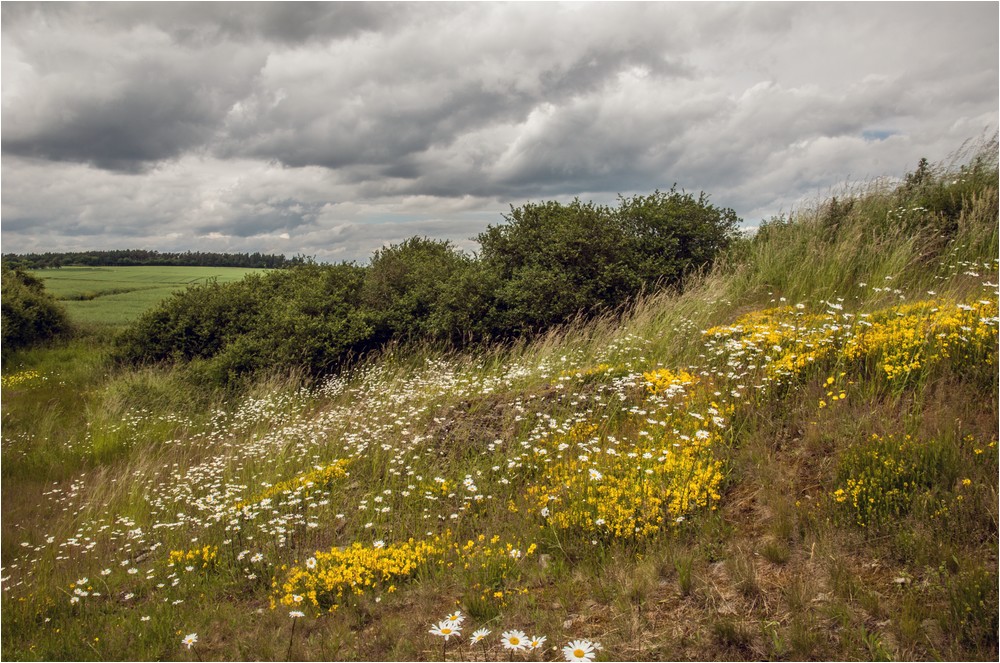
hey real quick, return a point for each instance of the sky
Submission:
(332, 129)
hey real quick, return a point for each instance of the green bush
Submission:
(547, 264)
(404, 289)
(308, 316)
(552, 262)
(29, 314)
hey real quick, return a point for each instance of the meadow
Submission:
(117, 295)
(794, 458)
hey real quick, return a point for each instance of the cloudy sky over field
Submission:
(330, 129)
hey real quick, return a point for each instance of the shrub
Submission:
(308, 316)
(672, 234)
(404, 287)
(552, 261)
(549, 263)
(943, 194)
(29, 314)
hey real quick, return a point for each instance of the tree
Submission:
(551, 261)
(403, 288)
(673, 234)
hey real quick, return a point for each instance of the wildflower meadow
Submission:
(787, 458)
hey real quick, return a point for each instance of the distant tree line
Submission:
(141, 257)
(547, 264)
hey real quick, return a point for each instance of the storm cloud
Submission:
(330, 129)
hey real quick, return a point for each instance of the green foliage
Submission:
(30, 315)
(133, 257)
(405, 285)
(941, 195)
(673, 234)
(973, 607)
(307, 316)
(875, 237)
(549, 263)
(553, 261)
(882, 479)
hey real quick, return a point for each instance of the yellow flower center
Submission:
(579, 653)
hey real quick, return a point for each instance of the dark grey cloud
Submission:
(370, 104)
(251, 218)
(195, 24)
(331, 128)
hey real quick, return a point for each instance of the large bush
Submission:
(548, 263)
(552, 261)
(673, 234)
(29, 314)
(309, 316)
(404, 289)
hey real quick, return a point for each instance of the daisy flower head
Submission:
(457, 617)
(446, 629)
(189, 640)
(295, 614)
(536, 642)
(515, 640)
(311, 563)
(579, 650)
(479, 634)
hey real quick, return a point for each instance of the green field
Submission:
(117, 295)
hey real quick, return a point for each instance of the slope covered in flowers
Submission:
(718, 474)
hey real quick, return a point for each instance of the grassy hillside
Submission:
(117, 295)
(795, 458)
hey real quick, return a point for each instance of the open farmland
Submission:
(118, 295)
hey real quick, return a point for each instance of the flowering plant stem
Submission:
(288, 654)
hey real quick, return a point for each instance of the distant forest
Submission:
(135, 257)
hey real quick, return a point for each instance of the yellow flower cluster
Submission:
(787, 340)
(326, 579)
(666, 381)
(833, 392)
(879, 479)
(636, 487)
(899, 340)
(20, 379)
(321, 478)
(906, 338)
(491, 567)
(206, 557)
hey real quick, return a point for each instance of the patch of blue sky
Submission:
(872, 135)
